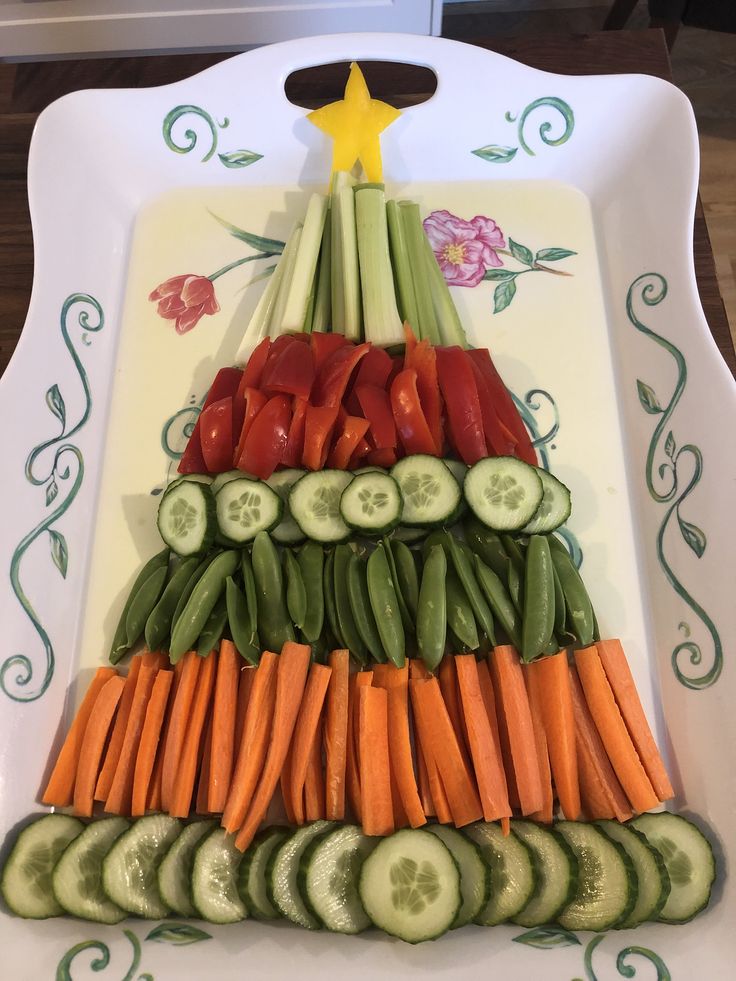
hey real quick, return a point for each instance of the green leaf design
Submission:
(521, 252)
(55, 402)
(496, 154)
(500, 275)
(178, 934)
(239, 158)
(503, 295)
(554, 255)
(59, 551)
(694, 537)
(648, 399)
(547, 937)
(258, 242)
(52, 489)
(669, 445)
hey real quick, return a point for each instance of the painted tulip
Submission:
(185, 299)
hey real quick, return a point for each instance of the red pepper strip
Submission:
(504, 403)
(408, 415)
(460, 392)
(324, 345)
(411, 343)
(385, 458)
(496, 442)
(318, 428)
(360, 452)
(224, 385)
(376, 407)
(290, 373)
(423, 360)
(510, 438)
(216, 435)
(354, 429)
(334, 375)
(397, 366)
(266, 440)
(295, 443)
(254, 400)
(254, 368)
(374, 369)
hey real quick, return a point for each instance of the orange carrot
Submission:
(362, 679)
(508, 682)
(402, 768)
(93, 743)
(201, 805)
(598, 780)
(245, 686)
(121, 790)
(535, 697)
(375, 767)
(112, 753)
(621, 681)
(352, 777)
(148, 745)
(485, 757)
(613, 732)
(291, 679)
(224, 710)
(305, 734)
(180, 714)
(285, 783)
(314, 781)
(155, 659)
(186, 767)
(489, 701)
(153, 802)
(60, 789)
(439, 744)
(439, 805)
(423, 784)
(336, 735)
(447, 675)
(253, 743)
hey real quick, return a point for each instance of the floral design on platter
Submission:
(61, 479)
(551, 937)
(178, 934)
(497, 153)
(470, 252)
(667, 489)
(231, 159)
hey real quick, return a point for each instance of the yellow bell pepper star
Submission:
(355, 123)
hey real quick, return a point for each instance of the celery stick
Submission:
(309, 312)
(275, 326)
(381, 318)
(323, 301)
(450, 326)
(340, 180)
(402, 269)
(305, 265)
(415, 239)
(350, 265)
(257, 327)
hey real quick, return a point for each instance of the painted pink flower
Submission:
(464, 249)
(185, 299)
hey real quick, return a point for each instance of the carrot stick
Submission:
(180, 713)
(399, 739)
(112, 753)
(503, 751)
(285, 783)
(253, 743)
(245, 686)
(598, 780)
(336, 735)
(621, 681)
(60, 788)
(314, 781)
(423, 785)
(291, 679)
(150, 737)
(513, 706)
(305, 734)
(121, 790)
(440, 744)
(535, 697)
(93, 743)
(447, 676)
(155, 659)
(201, 805)
(439, 805)
(186, 767)
(485, 756)
(594, 801)
(153, 802)
(352, 776)
(375, 767)
(224, 710)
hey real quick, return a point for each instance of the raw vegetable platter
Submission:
(612, 361)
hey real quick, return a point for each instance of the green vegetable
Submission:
(241, 626)
(464, 569)
(143, 603)
(296, 594)
(460, 617)
(385, 606)
(311, 563)
(274, 624)
(120, 640)
(360, 605)
(328, 586)
(214, 627)
(345, 619)
(432, 608)
(486, 544)
(158, 624)
(406, 576)
(201, 603)
(539, 599)
(406, 618)
(580, 616)
(499, 600)
(189, 588)
(249, 586)
(402, 267)
(382, 324)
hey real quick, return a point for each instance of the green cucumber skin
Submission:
(661, 871)
(74, 828)
(520, 918)
(117, 825)
(280, 834)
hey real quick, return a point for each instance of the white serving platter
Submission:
(613, 362)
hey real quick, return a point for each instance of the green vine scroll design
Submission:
(232, 159)
(497, 153)
(176, 934)
(651, 289)
(551, 937)
(67, 464)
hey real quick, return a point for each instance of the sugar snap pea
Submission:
(189, 588)
(513, 549)
(249, 586)
(213, 629)
(296, 594)
(311, 562)
(385, 606)
(499, 601)
(349, 631)
(241, 626)
(460, 617)
(486, 544)
(539, 599)
(406, 573)
(360, 606)
(201, 603)
(560, 618)
(143, 603)
(158, 624)
(466, 575)
(406, 618)
(432, 608)
(120, 639)
(328, 587)
(274, 623)
(580, 616)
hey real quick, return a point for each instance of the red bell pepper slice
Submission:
(295, 442)
(291, 372)
(376, 407)
(266, 439)
(253, 401)
(254, 368)
(460, 392)
(423, 359)
(325, 345)
(216, 435)
(497, 443)
(375, 368)
(408, 416)
(320, 422)
(224, 385)
(360, 452)
(353, 430)
(411, 342)
(334, 375)
(385, 458)
(504, 403)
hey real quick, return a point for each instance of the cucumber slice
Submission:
(329, 873)
(368, 469)
(503, 492)
(283, 875)
(607, 884)
(77, 878)
(475, 878)
(513, 874)
(372, 504)
(199, 478)
(130, 868)
(224, 478)
(287, 531)
(252, 882)
(410, 886)
(458, 469)
(431, 493)
(651, 872)
(175, 871)
(557, 873)
(315, 505)
(245, 507)
(215, 879)
(688, 855)
(554, 508)
(186, 517)
(409, 535)
(26, 880)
